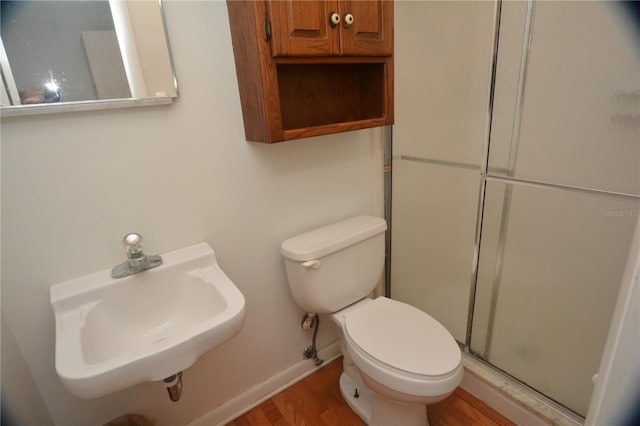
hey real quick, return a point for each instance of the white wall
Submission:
(617, 389)
(21, 400)
(73, 184)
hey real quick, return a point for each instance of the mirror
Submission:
(77, 54)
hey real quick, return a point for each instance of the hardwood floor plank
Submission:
(325, 379)
(446, 413)
(476, 418)
(341, 416)
(299, 406)
(265, 414)
(484, 408)
(316, 401)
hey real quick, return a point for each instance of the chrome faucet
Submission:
(137, 261)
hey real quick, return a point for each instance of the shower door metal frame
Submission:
(510, 171)
(483, 175)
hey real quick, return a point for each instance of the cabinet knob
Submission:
(348, 20)
(334, 19)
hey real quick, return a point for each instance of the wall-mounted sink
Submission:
(114, 333)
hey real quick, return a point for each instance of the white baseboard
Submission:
(265, 390)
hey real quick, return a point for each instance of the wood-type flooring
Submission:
(316, 401)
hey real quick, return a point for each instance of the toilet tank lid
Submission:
(329, 239)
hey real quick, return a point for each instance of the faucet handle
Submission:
(133, 243)
(137, 261)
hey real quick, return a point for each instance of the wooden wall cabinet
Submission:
(305, 28)
(301, 73)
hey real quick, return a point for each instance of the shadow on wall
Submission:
(22, 403)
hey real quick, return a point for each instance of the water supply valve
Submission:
(309, 321)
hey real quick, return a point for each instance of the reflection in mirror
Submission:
(62, 52)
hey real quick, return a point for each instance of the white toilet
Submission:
(397, 359)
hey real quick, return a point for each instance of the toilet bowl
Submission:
(397, 359)
(400, 355)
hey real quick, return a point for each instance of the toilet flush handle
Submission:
(311, 264)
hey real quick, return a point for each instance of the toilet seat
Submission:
(402, 347)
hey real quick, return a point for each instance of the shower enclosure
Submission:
(516, 180)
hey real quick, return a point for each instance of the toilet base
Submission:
(377, 411)
(362, 404)
(386, 412)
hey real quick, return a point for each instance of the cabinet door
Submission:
(301, 28)
(371, 33)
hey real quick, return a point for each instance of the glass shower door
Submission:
(562, 194)
(547, 284)
(512, 229)
(442, 80)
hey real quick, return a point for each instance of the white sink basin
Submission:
(114, 333)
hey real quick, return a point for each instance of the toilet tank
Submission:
(336, 265)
